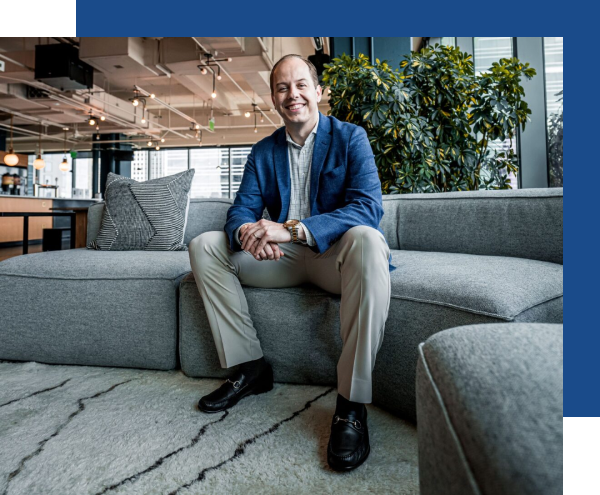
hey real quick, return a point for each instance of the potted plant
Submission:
(430, 125)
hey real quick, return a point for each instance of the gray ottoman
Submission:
(489, 410)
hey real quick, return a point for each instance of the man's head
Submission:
(295, 90)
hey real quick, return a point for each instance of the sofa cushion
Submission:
(430, 292)
(494, 286)
(490, 410)
(149, 216)
(86, 264)
(100, 308)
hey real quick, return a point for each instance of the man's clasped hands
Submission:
(262, 239)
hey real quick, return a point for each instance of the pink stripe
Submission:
(581, 441)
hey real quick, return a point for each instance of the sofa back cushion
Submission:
(206, 215)
(523, 223)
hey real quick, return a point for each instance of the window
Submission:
(211, 179)
(218, 170)
(553, 70)
(53, 176)
(486, 52)
(139, 166)
(238, 162)
(83, 178)
(167, 162)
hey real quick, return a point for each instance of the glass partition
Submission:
(553, 70)
(486, 52)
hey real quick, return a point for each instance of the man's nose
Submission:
(294, 93)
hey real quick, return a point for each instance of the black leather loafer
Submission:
(236, 388)
(349, 442)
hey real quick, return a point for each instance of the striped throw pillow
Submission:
(144, 216)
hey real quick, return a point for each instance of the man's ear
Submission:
(319, 93)
(273, 100)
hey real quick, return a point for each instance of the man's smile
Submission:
(295, 106)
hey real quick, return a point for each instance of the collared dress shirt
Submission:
(300, 158)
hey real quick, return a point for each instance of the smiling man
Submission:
(317, 178)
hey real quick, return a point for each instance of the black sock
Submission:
(344, 406)
(252, 369)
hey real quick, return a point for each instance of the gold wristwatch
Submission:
(293, 226)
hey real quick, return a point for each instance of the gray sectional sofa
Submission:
(463, 258)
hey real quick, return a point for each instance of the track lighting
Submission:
(64, 165)
(254, 111)
(152, 95)
(247, 114)
(162, 140)
(11, 159)
(211, 63)
(149, 143)
(143, 120)
(39, 162)
(136, 100)
(157, 147)
(91, 119)
(102, 118)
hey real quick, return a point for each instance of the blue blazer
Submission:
(345, 190)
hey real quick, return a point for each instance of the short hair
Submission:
(311, 68)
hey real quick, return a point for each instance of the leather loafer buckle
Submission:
(235, 384)
(356, 423)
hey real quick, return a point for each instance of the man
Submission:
(318, 179)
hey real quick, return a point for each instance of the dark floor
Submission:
(9, 252)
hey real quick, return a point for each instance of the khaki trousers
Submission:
(355, 267)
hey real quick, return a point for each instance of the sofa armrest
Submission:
(94, 221)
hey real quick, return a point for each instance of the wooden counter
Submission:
(11, 229)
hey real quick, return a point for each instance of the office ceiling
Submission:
(165, 67)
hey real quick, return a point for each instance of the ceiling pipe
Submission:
(58, 96)
(236, 84)
(27, 132)
(172, 109)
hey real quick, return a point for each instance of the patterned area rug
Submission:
(88, 430)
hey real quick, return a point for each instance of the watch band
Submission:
(295, 233)
(293, 227)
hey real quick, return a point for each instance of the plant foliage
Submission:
(430, 124)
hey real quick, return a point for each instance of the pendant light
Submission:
(211, 63)
(254, 111)
(11, 159)
(39, 163)
(64, 165)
